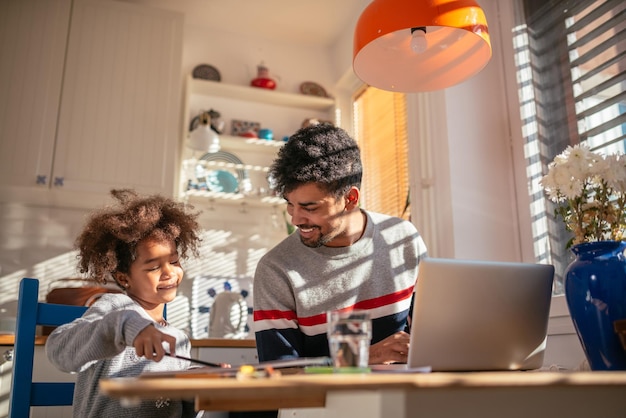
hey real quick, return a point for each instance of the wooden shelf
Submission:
(255, 94)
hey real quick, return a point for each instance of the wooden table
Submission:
(486, 394)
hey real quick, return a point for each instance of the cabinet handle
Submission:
(58, 181)
(42, 179)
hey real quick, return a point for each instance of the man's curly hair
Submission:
(110, 237)
(322, 154)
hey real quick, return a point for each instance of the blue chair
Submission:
(31, 313)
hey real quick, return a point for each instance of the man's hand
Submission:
(149, 343)
(393, 349)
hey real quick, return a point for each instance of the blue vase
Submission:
(595, 289)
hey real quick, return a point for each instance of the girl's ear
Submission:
(121, 279)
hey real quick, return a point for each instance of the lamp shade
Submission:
(456, 45)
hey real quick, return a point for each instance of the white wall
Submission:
(473, 140)
(237, 56)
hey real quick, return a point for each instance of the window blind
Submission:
(571, 63)
(380, 121)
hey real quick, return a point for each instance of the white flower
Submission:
(615, 173)
(590, 191)
(573, 189)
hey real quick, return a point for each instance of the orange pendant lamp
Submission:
(420, 45)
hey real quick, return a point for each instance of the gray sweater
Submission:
(99, 345)
(294, 286)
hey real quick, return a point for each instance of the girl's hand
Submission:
(149, 343)
(393, 349)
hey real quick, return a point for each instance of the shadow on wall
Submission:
(226, 263)
(47, 271)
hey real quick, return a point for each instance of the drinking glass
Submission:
(349, 335)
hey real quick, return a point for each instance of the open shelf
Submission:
(238, 143)
(255, 94)
(204, 197)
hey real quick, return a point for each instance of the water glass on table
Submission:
(349, 335)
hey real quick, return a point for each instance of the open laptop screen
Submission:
(480, 315)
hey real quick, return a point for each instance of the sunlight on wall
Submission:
(46, 271)
(226, 262)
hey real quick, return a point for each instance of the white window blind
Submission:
(571, 63)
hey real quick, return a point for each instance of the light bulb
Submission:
(418, 40)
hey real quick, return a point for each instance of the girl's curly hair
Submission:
(110, 237)
(322, 154)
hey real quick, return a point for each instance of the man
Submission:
(341, 256)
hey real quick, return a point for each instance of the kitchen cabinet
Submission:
(42, 371)
(33, 40)
(6, 363)
(279, 111)
(89, 96)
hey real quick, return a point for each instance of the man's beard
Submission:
(322, 240)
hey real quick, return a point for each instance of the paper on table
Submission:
(232, 371)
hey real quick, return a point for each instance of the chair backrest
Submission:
(31, 313)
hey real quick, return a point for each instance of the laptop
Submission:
(480, 315)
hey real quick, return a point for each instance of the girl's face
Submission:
(154, 275)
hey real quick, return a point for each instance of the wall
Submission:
(465, 196)
(483, 191)
(35, 242)
(237, 56)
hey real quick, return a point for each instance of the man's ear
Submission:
(352, 198)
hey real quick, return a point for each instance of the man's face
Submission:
(319, 216)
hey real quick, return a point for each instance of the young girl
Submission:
(138, 244)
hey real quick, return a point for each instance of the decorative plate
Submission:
(312, 89)
(222, 181)
(220, 175)
(206, 72)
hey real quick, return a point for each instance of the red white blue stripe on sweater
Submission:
(379, 307)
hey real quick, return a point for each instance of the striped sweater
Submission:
(294, 286)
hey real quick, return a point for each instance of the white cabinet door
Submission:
(92, 102)
(33, 37)
(120, 104)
